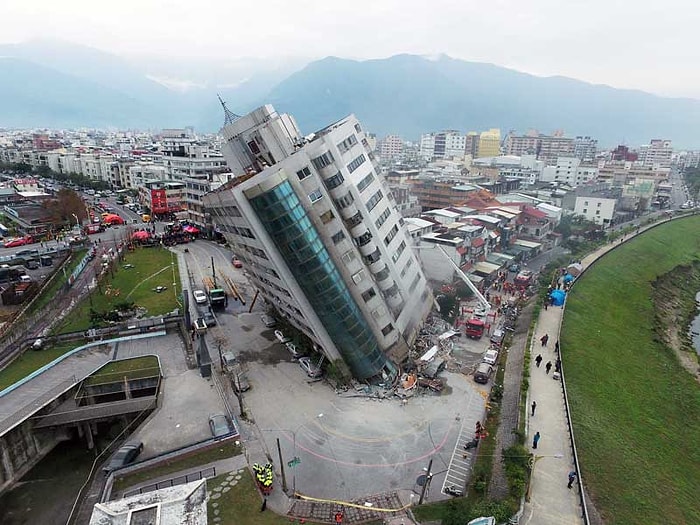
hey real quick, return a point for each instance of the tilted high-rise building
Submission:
(322, 239)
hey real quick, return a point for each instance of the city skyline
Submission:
(646, 48)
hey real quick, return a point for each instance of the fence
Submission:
(179, 480)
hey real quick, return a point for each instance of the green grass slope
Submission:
(636, 411)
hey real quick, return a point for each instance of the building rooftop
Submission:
(179, 505)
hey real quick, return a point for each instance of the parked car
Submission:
(490, 357)
(308, 366)
(515, 268)
(209, 317)
(200, 297)
(220, 425)
(296, 352)
(281, 337)
(125, 455)
(20, 241)
(497, 337)
(237, 263)
(22, 253)
(268, 320)
(483, 373)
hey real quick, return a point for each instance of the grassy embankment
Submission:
(636, 411)
(133, 281)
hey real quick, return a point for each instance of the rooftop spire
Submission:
(229, 116)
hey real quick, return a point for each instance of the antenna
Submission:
(229, 116)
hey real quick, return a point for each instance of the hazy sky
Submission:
(650, 45)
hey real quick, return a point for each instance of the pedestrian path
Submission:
(549, 499)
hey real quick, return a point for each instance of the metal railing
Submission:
(179, 480)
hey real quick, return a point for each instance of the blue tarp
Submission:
(568, 278)
(558, 297)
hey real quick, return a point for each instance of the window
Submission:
(390, 236)
(345, 201)
(347, 143)
(382, 274)
(383, 217)
(324, 160)
(399, 251)
(362, 186)
(315, 196)
(374, 200)
(255, 150)
(599, 204)
(358, 277)
(338, 237)
(334, 181)
(387, 329)
(348, 256)
(327, 217)
(597, 212)
(356, 163)
(585, 210)
(363, 239)
(358, 128)
(303, 173)
(373, 257)
(368, 294)
(354, 220)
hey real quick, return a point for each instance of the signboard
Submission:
(159, 201)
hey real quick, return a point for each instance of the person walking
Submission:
(535, 440)
(544, 339)
(534, 407)
(547, 367)
(556, 347)
(572, 478)
(538, 360)
(557, 365)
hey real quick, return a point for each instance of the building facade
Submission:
(490, 143)
(321, 238)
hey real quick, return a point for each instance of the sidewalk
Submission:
(550, 501)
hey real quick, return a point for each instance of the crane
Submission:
(484, 306)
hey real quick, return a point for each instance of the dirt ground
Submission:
(674, 300)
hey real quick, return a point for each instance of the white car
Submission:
(311, 369)
(200, 297)
(490, 357)
(296, 352)
(281, 337)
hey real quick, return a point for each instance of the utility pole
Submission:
(284, 478)
(213, 271)
(428, 477)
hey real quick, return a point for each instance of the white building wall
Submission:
(598, 210)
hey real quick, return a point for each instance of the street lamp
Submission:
(77, 222)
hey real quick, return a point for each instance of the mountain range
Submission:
(61, 85)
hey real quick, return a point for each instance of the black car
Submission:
(125, 455)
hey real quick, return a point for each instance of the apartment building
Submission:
(569, 171)
(656, 154)
(391, 147)
(443, 145)
(545, 147)
(585, 148)
(489, 143)
(321, 238)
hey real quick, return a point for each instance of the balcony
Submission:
(363, 239)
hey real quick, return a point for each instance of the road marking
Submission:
(459, 468)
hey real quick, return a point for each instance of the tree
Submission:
(64, 206)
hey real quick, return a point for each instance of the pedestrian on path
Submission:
(534, 406)
(535, 440)
(544, 339)
(538, 360)
(548, 367)
(264, 505)
(572, 478)
(546, 303)
(556, 347)
(557, 365)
